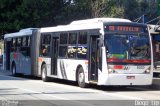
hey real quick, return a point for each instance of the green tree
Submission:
(18, 14)
(74, 10)
(7, 15)
(101, 8)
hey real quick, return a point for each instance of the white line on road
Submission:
(69, 87)
(60, 98)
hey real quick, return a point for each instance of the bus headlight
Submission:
(111, 70)
(147, 71)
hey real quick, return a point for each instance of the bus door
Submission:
(93, 58)
(8, 52)
(54, 55)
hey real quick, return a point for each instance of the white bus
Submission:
(103, 51)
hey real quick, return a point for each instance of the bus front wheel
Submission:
(44, 73)
(81, 78)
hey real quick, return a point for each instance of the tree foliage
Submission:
(18, 14)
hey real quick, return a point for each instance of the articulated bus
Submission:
(102, 51)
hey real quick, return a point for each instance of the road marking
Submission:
(94, 91)
(43, 94)
(124, 96)
(82, 103)
(69, 87)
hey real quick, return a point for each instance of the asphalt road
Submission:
(32, 91)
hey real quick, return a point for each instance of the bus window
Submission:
(28, 41)
(24, 48)
(82, 38)
(63, 38)
(28, 44)
(82, 52)
(63, 51)
(72, 50)
(13, 45)
(45, 45)
(14, 42)
(24, 43)
(19, 42)
(72, 38)
(82, 45)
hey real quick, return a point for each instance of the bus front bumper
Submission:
(125, 79)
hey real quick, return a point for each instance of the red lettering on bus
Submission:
(111, 28)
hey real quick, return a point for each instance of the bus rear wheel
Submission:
(13, 70)
(44, 73)
(81, 78)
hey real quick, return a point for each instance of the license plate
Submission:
(130, 77)
(140, 67)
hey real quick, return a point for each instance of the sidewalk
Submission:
(3, 72)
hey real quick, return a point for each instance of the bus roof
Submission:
(95, 23)
(96, 20)
(23, 32)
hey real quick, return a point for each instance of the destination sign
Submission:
(117, 28)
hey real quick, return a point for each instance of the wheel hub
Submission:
(43, 74)
(81, 77)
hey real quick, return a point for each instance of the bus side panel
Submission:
(15, 58)
(67, 68)
(35, 52)
(26, 65)
(44, 60)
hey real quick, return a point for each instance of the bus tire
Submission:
(44, 73)
(14, 70)
(81, 78)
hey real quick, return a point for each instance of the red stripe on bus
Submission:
(128, 61)
(138, 61)
(114, 60)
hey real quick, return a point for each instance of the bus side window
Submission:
(24, 48)
(63, 46)
(72, 49)
(19, 42)
(63, 51)
(45, 45)
(45, 50)
(13, 45)
(28, 44)
(82, 45)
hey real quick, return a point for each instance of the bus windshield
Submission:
(127, 48)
